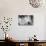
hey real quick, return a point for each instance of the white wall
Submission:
(13, 8)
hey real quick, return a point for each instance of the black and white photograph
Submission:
(25, 19)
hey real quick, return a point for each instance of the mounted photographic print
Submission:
(25, 19)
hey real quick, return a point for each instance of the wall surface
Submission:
(13, 8)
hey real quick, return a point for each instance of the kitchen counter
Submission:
(38, 41)
(43, 41)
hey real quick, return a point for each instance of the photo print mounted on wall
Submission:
(36, 3)
(25, 19)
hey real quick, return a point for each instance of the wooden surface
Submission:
(25, 44)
